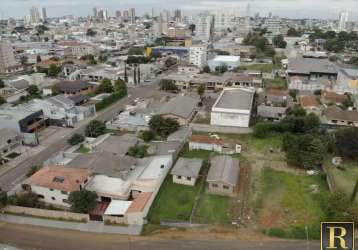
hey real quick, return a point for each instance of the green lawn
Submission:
(83, 150)
(344, 180)
(293, 196)
(278, 82)
(203, 154)
(213, 209)
(173, 202)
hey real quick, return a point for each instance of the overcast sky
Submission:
(283, 8)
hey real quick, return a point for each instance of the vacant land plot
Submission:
(290, 201)
(173, 202)
(343, 180)
(213, 209)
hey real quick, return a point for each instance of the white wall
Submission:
(205, 146)
(230, 119)
(48, 194)
(183, 180)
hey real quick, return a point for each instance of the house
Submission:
(23, 121)
(202, 142)
(347, 81)
(231, 62)
(332, 97)
(180, 108)
(309, 103)
(309, 68)
(223, 175)
(53, 184)
(186, 171)
(233, 108)
(334, 116)
(278, 97)
(10, 140)
(70, 88)
(243, 80)
(272, 113)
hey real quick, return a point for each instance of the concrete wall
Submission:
(114, 219)
(230, 119)
(220, 190)
(205, 146)
(184, 181)
(46, 213)
(219, 129)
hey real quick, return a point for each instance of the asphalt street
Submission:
(13, 177)
(40, 238)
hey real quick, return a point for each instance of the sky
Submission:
(284, 8)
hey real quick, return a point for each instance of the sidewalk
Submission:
(91, 226)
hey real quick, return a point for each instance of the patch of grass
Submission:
(83, 150)
(150, 229)
(47, 218)
(202, 119)
(278, 82)
(213, 209)
(293, 196)
(343, 180)
(173, 202)
(203, 154)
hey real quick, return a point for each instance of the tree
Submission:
(53, 70)
(33, 90)
(167, 85)
(201, 90)
(136, 51)
(262, 129)
(105, 86)
(346, 142)
(82, 201)
(147, 136)
(76, 139)
(206, 69)
(355, 192)
(293, 93)
(120, 87)
(24, 60)
(279, 42)
(32, 170)
(222, 68)
(2, 100)
(3, 198)
(138, 151)
(38, 59)
(103, 58)
(340, 208)
(91, 32)
(95, 128)
(55, 89)
(41, 29)
(163, 126)
(293, 32)
(2, 84)
(192, 28)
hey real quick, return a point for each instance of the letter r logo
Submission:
(337, 235)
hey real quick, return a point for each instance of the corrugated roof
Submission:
(188, 167)
(224, 169)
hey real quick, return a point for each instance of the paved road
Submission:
(39, 238)
(9, 180)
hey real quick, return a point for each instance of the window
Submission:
(188, 178)
(65, 201)
(40, 196)
(214, 185)
(179, 177)
(225, 187)
(162, 166)
(64, 192)
(53, 198)
(51, 189)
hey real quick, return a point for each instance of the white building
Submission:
(186, 171)
(343, 20)
(34, 15)
(231, 62)
(233, 108)
(54, 184)
(202, 142)
(198, 55)
(204, 27)
(7, 58)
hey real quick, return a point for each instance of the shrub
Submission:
(147, 136)
(276, 232)
(76, 139)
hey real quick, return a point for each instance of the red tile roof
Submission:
(308, 101)
(139, 203)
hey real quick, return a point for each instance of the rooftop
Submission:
(187, 167)
(140, 202)
(309, 65)
(335, 113)
(182, 106)
(118, 207)
(235, 99)
(224, 169)
(226, 59)
(109, 186)
(308, 101)
(60, 178)
(118, 145)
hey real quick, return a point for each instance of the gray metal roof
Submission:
(182, 106)
(187, 167)
(235, 99)
(7, 134)
(118, 145)
(105, 163)
(308, 65)
(224, 168)
(19, 84)
(270, 111)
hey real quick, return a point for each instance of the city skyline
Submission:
(301, 8)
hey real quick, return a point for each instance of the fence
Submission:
(48, 214)
(219, 129)
(181, 224)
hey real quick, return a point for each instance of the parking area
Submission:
(52, 134)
